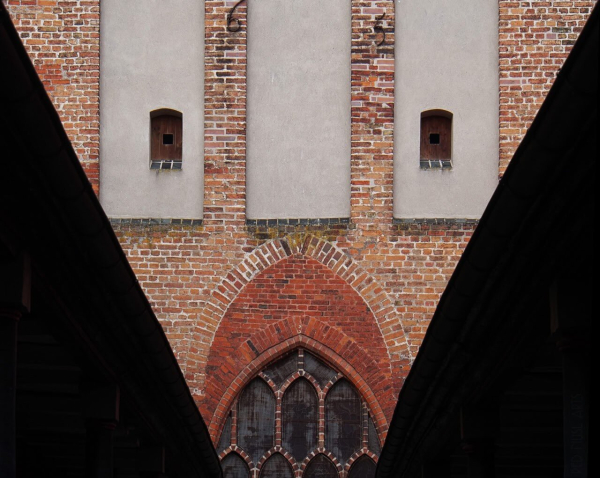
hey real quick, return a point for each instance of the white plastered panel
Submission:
(298, 123)
(151, 57)
(446, 58)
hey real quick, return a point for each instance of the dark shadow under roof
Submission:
(49, 211)
(542, 210)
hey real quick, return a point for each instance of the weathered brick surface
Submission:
(535, 38)
(224, 117)
(231, 296)
(196, 277)
(63, 41)
(372, 112)
(298, 296)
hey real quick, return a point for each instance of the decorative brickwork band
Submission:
(150, 221)
(330, 221)
(436, 220)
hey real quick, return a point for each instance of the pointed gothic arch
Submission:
(298, 451)
(270, 253)
(328, 356)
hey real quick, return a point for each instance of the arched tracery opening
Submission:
(320, 467)
(276, 467)
(298, 416)
(364, 467)
(300, 407)
(234, 466)
(256, 419)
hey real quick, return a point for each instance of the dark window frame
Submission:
(230, 429)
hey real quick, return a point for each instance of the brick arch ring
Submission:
(387, 318)
(276, 351)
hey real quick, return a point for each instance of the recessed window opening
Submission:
(436, 140)
(319, 417)
(166, 135)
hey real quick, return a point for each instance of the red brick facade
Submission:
(535, 38)
(232, 296)
(299, 298)
(63, 41)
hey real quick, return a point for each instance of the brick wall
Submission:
(535, 38)
(298, 296)
(63, 41)
(360, 293)
(199, 279)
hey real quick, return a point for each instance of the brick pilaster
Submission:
(372, 148)
(224, 117)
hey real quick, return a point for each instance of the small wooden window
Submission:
(166, 134)
(436, 139)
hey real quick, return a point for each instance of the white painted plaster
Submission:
(446, 58)
(151, 56)
(298, 123)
